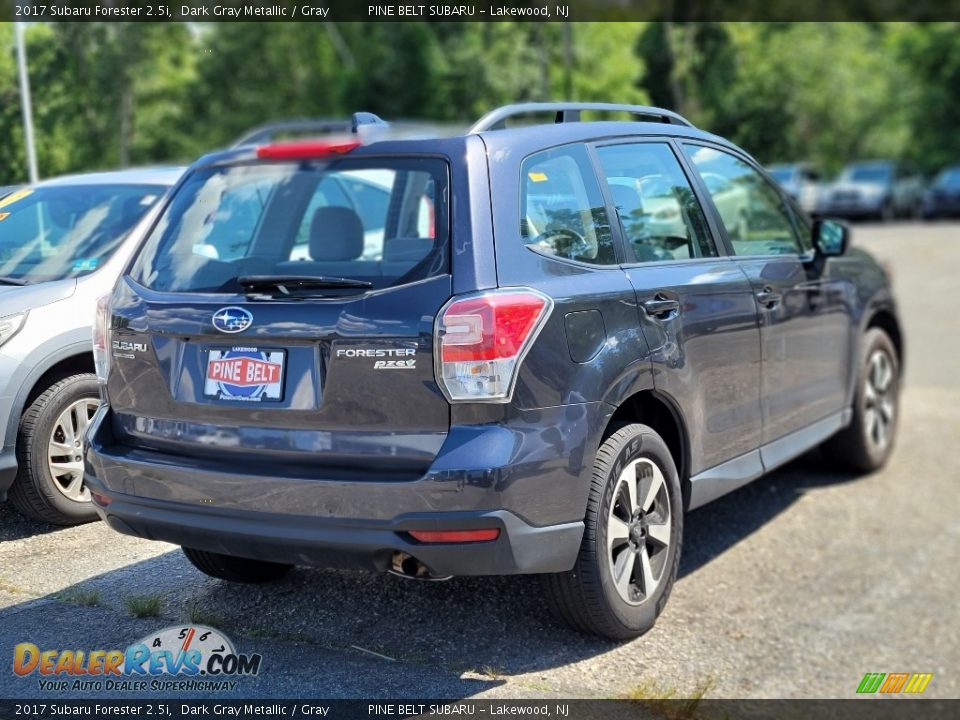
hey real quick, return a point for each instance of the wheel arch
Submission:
(70, 360)
(662, 413)
(885, 319)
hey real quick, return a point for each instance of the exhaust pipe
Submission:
(407, 566)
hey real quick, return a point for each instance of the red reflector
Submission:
(456, 536)
(101, 500)
(305, 149)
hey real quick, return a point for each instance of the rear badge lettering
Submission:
(126, 349)
(244, 374)
(395, 365)
(409, 363)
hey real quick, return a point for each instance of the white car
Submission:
(63, 242)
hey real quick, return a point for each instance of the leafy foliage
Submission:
(114, 94)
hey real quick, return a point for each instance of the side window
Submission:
(659, 214)
(562, 208)
(756, 219)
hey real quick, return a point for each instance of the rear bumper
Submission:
(941, 209)
(528, 477)
(520, 548)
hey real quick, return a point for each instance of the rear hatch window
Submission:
(378, 222)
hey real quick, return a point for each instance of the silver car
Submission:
(63, 242)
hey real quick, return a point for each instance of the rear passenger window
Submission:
(562, 208)
(659, 214)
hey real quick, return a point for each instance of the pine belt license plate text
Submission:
(244, 374)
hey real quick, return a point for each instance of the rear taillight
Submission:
(101, 338)
(481, 339)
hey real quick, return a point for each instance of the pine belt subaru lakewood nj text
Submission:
(524, 349)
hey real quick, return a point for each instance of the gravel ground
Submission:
(794, 586)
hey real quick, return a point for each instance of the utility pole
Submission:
(25, 102)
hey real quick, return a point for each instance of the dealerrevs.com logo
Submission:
(178, 658)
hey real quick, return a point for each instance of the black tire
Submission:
(235, 569)
(856, 447)
(586, 598)
(35, 491)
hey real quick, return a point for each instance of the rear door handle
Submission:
(661, 306)
(768, 297)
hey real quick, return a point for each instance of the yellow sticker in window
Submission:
(537, 177)
(13, 197)
(4, 216)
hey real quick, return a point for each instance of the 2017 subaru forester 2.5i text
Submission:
(519, 350)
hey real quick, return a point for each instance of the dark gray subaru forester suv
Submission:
(519, 350)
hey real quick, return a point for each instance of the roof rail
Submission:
(570, 112)
(311, 126)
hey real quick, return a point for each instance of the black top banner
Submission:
(487, 11)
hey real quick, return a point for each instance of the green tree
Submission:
(931, 53)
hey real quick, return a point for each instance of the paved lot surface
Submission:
(794, 586)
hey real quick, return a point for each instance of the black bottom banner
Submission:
(867, 709)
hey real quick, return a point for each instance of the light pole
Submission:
(25, 102)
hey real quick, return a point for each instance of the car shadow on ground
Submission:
(713, 529)
(14, 526)
(480, 628)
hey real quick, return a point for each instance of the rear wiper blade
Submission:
(290, 284)
(5, 280)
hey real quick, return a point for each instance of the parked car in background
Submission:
(801, 181)
(942, 199)
(535, 380)
(62, 244)
(874, 189)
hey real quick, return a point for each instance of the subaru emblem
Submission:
(232, 319)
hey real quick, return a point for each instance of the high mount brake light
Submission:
(481, 339)
(305, 150)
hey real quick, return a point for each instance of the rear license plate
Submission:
(244, 374)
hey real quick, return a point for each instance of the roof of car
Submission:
(166, 176)
(524, 138)
(799, 164)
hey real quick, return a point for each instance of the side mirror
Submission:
(830, 237)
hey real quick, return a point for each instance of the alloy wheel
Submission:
(638, 531)
(880, 399)
(65, 449)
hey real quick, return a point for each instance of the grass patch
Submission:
(143, 606)
(12, 589)
(494, 673)
(261, 632)
(667, 702)
(80, 596)
(269, 634)
(200, 616)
